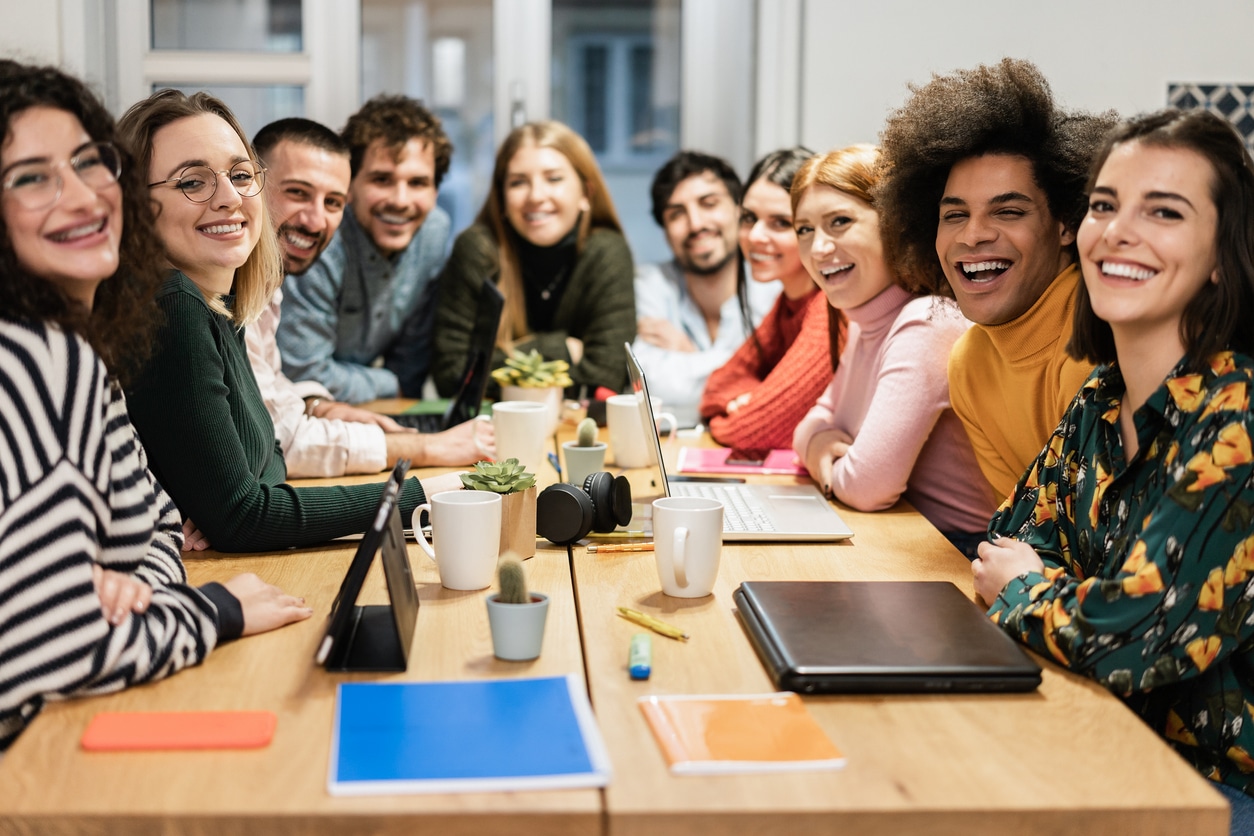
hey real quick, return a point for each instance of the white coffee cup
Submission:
(519, 427)
(687, 542)
(465, 535)
(628, 442)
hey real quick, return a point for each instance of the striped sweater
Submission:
(75, 489)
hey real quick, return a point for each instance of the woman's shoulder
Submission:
(36, 350)
(933, 314)
(604, 238)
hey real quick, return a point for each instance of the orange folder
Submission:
(702, 735)
(148, 731)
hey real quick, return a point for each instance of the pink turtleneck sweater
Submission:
(891, 396)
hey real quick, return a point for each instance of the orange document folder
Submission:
(146, 731)
(704, 735)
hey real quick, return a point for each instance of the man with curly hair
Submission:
(982, 194)
(371, 293)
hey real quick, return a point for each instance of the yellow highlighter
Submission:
(660, 627)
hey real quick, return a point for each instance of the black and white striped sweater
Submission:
(75, 489)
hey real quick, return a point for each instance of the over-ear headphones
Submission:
(567, 513)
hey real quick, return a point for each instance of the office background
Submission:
(638, 78)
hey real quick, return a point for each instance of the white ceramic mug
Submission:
(465, 536)
(520, 427)
(687, 542)
(628, 442)
(550, 396)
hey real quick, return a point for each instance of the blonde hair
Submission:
(262, 273)
(601, 215)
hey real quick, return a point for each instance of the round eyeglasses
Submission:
(38, 184)
(199, 183)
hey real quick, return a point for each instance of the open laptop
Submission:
(837, 637)
(750, 512)
(466, 403)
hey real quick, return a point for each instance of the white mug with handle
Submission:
(465, 536)
(520, 432)
(628, 442)
(687, 543)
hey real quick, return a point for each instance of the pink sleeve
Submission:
(911, 391)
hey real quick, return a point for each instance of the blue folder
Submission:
(486, 735)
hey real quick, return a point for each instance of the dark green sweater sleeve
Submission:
(210, 441)
(472, 262)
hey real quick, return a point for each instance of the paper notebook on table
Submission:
(710, 735)
(475, 736)
(714, 460)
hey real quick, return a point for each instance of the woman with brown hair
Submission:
(93, 596)
(549, 237)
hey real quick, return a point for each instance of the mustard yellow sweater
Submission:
(1011, 383)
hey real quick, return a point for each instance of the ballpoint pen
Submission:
(607, 548)
(556, 466)
(660, 627)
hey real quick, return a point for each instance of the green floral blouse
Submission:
(1148, 584)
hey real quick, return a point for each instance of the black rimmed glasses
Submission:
(199, 183)
(38, 184)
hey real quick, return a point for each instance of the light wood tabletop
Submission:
(1069, 758)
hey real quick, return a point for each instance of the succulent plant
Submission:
(509, 573)
(586, 433)
(499, 477)
(532, 371)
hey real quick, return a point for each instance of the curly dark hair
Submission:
(396, 120)
(125, 314)
(1219, 316)
(1004, 108)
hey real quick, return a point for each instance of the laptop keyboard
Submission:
(741, 509)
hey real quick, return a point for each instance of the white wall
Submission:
(30, 31)
(857, 57)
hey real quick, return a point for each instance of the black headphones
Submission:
(567, 513)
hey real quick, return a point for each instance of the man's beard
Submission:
(689, 266)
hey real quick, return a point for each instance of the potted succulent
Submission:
(518, 501)
(585, 454)
(516, 616)
(529, 377)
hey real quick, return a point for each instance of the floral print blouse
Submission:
(1148, 585)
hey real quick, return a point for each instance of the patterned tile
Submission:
(1234, 102)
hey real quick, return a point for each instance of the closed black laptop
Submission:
(836, 637)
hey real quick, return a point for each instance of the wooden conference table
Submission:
(1068, 758)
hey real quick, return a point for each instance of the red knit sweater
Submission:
(794, 368)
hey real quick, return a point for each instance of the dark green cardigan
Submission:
(598, 307)
(211, 444)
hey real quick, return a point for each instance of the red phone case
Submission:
(148, 731)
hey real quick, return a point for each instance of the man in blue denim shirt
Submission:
(371, 294)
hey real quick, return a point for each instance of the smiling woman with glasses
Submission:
(197, 407)
(96, 596)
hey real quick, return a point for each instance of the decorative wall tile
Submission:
(1234, 102)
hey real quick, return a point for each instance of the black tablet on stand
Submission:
(375, 637)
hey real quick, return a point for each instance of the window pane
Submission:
(248, 25)
(254, 106)
(616, 82)
(440, 52)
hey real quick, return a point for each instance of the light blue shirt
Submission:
(355, 305)
(678, 377)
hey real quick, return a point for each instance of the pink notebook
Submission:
(714, 460)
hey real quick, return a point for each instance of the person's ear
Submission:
(1067, 236)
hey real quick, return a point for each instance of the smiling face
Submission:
(392, 195)
(1148, 243)
(543, 195)
(207, 241)
(998, 243)
(306, 190)
(74, 242)
(767, 238)
(699, 220)
(838, 238)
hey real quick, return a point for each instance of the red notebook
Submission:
(714, 460)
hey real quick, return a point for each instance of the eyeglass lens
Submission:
(38, 185)
(199, 183)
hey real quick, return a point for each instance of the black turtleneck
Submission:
(545, 272)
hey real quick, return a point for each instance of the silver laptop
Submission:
(750, 512)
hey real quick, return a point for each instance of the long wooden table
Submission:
(1068, 758)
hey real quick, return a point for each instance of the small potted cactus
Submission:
(529, 377)
(515, 615)
(518, 501)
(585, 454)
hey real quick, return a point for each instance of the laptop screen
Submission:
(648, 425)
